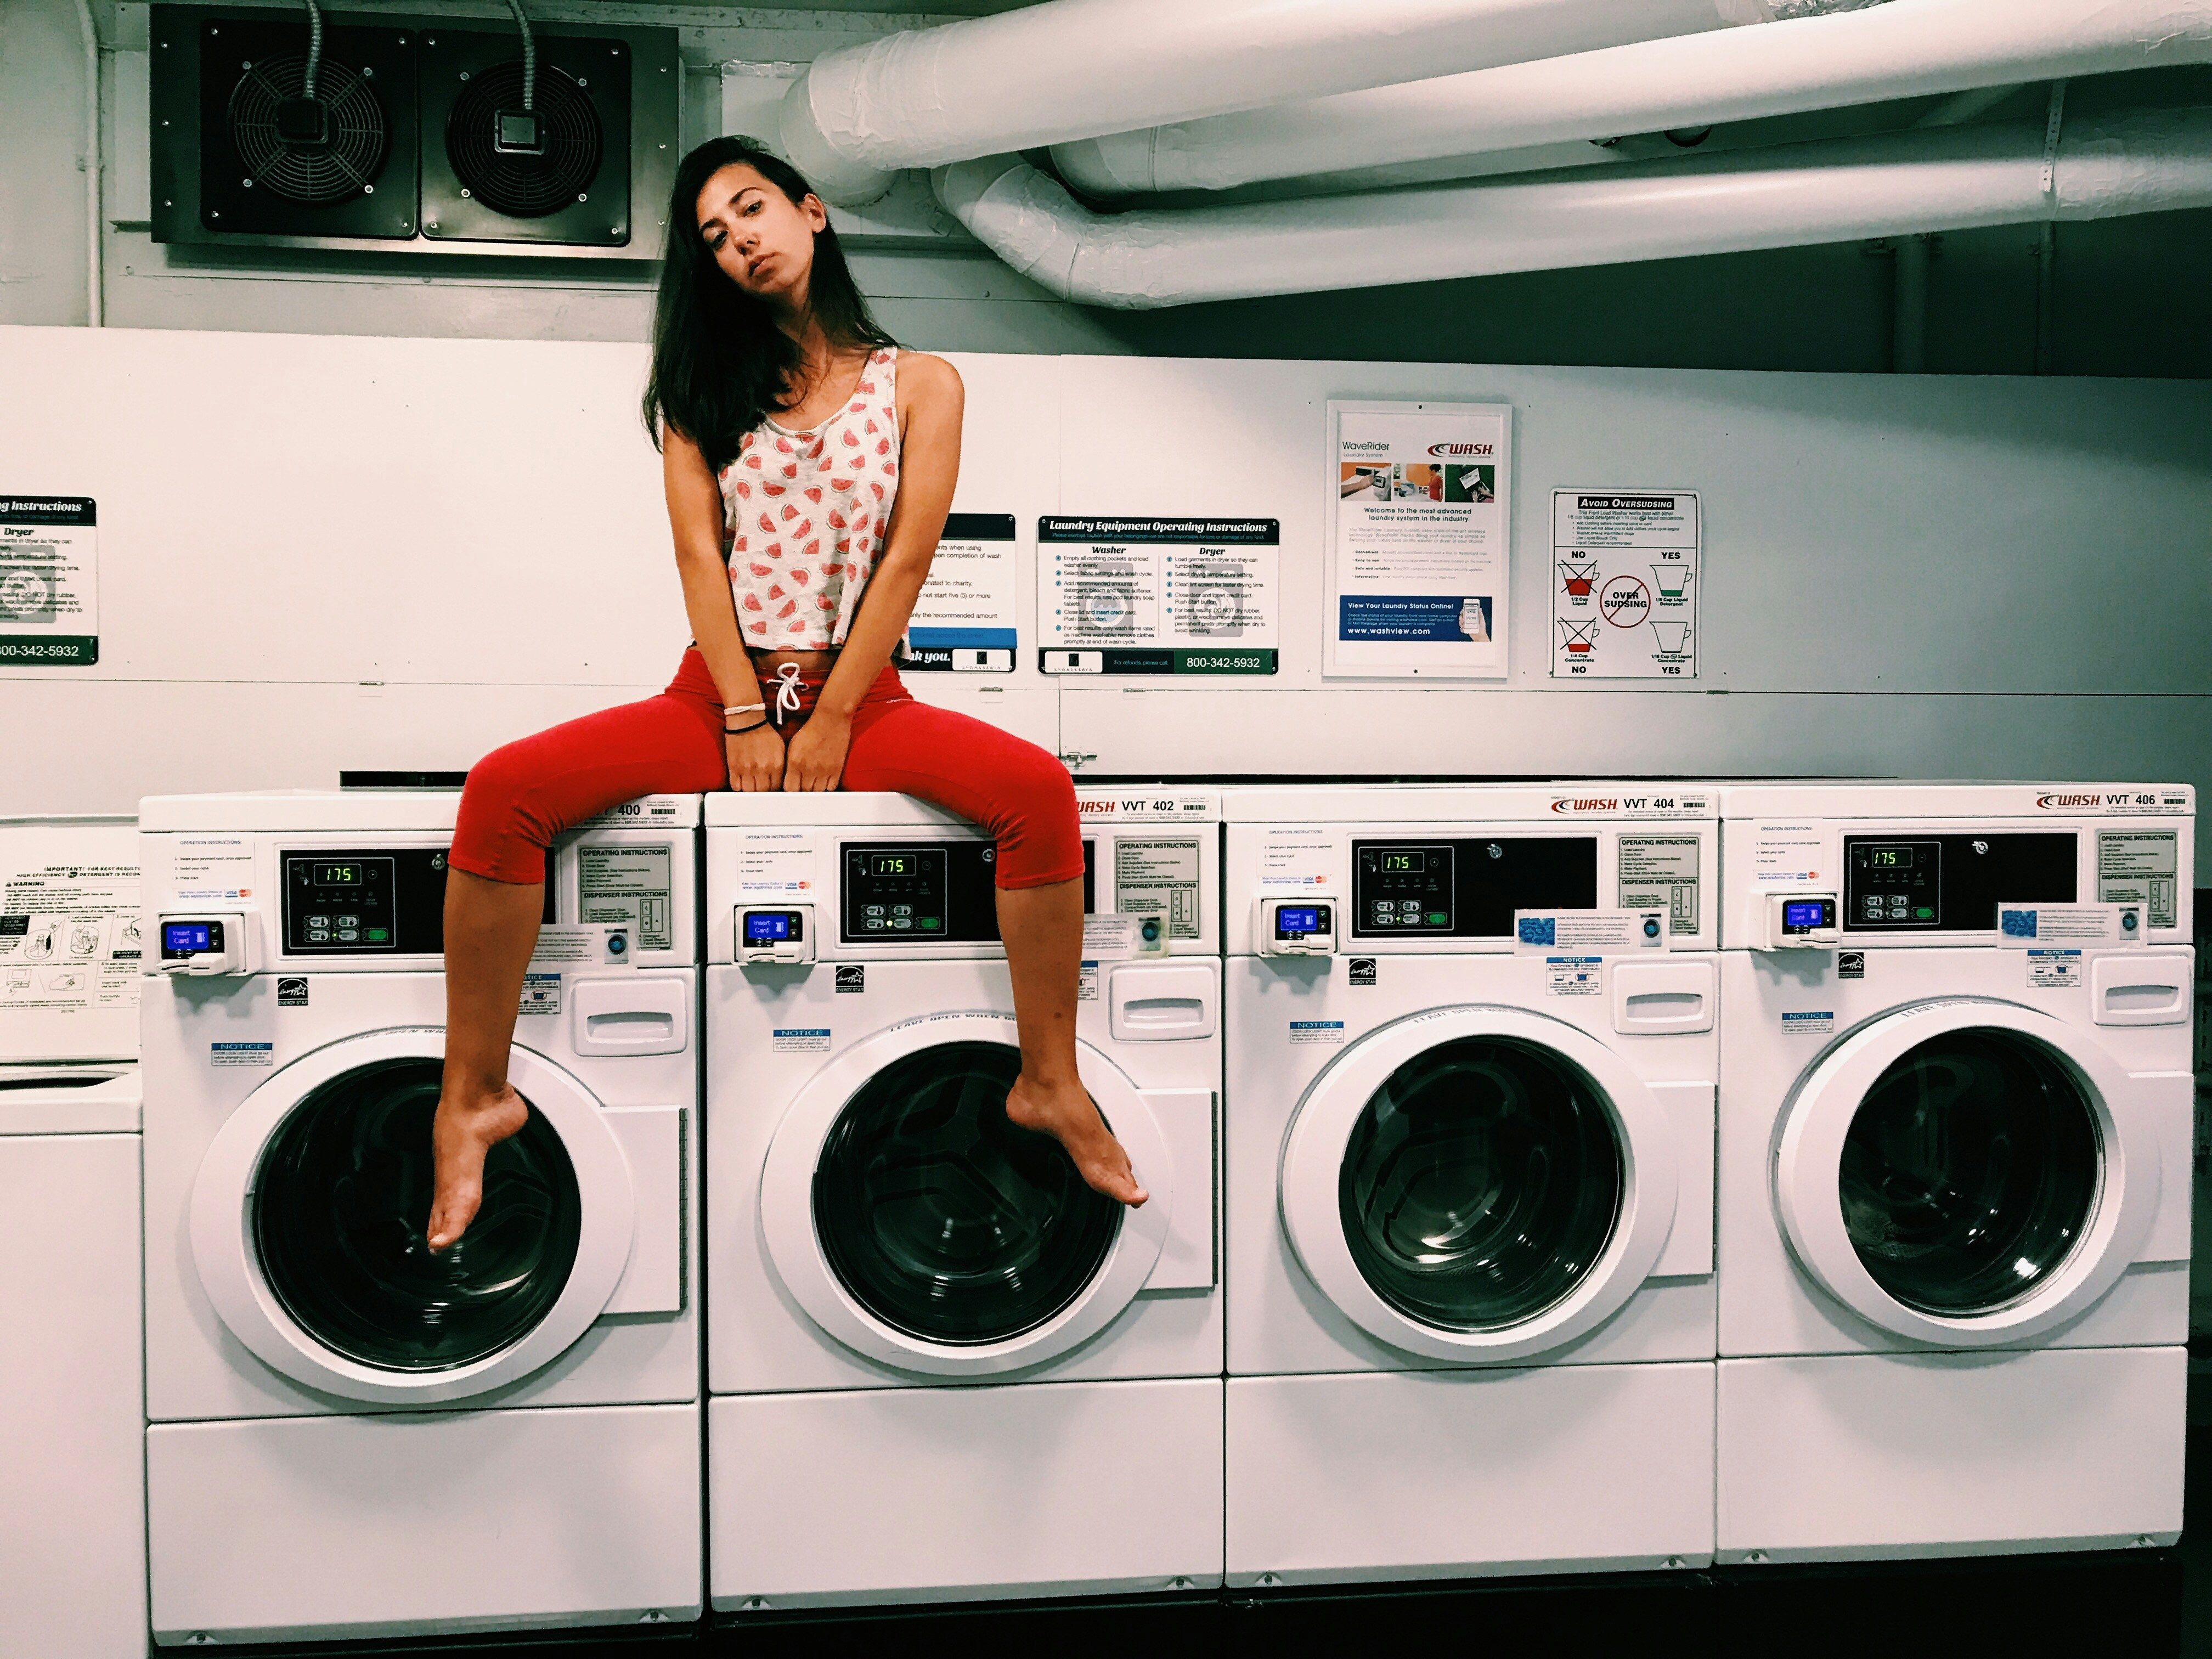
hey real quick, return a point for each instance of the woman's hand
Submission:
(817, 752)
(755, 758)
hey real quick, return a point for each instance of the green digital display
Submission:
(1403, 863)
(892, 864)
(338, 875)
(1891, 858)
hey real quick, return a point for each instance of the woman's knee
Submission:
(500, 806)
(1040, 836)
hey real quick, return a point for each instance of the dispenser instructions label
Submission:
(631, 887)
(1159, 876)
(1624, 576)
(1660, 872)
(49, 581)
(2141, 867)
(1157, 596)
(1420, 536)
(964, 620)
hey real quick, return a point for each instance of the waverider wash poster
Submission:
(1420, 527)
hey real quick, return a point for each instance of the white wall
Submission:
(327, 552)
(42, 193)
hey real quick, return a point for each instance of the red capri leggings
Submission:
(521, 796)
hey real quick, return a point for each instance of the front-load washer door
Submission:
(1478, 1184)
(921, 1228)
(1966, 1173)
(309, 1208)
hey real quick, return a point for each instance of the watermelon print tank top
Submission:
(803, 516)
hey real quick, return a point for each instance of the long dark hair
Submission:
(720, 363)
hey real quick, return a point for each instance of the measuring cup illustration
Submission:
(1578, 637)
(1673, 580)
(1672, 636)
(1578, 576)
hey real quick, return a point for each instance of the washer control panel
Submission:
(1398, 887)
(1951, 882)
(1467, 888)
(345, 901)
(918, 893)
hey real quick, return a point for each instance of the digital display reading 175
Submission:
(338, 875)
(892, 864)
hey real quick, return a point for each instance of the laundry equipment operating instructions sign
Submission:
(49, 588)
(1157, 596)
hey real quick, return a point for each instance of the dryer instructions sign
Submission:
(49, 587)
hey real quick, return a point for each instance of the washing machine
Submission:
(1954, 1165)
(941, 1367)
(1469, 1197)
(348, 1436)
(71, 1409)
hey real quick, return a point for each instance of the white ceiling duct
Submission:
(1072, 69)
(1839, 190)
(1909, 48)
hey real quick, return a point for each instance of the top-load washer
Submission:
(942, 1368)
(1954, 1162)
(1469, 1203)
(71, 1399)
(349, 1434)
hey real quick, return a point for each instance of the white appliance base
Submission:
(324, 1528)
(1471, 1473)
(866, 1496)
(1877, 1456)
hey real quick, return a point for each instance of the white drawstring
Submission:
(787, 691)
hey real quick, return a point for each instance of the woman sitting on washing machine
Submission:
(809, 465)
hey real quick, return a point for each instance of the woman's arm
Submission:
(930, 400)
(694, 517)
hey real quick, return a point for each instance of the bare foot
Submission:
(460, 1135)
(1069, 1116)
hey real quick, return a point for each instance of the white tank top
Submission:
(803, 516)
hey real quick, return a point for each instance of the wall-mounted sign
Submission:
(1157, 596)
(49, 582)
(1420, 532)
(1625, 581)
(964, 619)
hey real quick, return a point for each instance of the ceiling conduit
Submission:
(1074, 68)
(1909, 48)
(1839, 190)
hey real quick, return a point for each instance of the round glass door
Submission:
(1480, 1183)
(943, 1219)
(336, 1217)
(1970, 1172)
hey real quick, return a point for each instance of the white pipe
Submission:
(1074, 68)
(1838, 190)
(95, 305)
(1909, 48)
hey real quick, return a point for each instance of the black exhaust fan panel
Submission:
(279, 157)
(553, 167)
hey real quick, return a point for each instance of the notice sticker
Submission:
(241, 1054)
(800, 1039)
(1611, 933)
(541, 994)
(1574, 976)
(1816, 1022)
(1316, 1030)
(2054, 970)
(1086, 982)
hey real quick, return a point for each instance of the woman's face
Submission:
(762, 240)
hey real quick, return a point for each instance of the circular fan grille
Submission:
(334, 170)
(523, 187)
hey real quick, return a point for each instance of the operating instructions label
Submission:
(2141, 867)
(632, 887)
(1159, 876)
(1662, 872)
